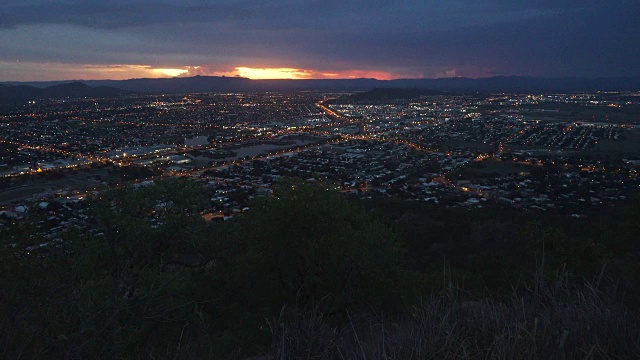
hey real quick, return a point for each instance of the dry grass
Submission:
(559, 321)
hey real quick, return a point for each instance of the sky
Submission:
(383, 39)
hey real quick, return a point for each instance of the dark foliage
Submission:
(308, 274)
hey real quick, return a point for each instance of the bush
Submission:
(303, 247)
(308, 274)
(561, 321)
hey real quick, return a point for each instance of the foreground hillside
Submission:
(306, 273)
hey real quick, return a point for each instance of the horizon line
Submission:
(317, 79)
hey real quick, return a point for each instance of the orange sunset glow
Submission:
(295, 73)
(24, 71)
(273, 73)
(171, 72)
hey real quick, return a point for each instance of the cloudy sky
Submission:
(118, 39)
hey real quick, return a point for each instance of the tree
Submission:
(306, 244)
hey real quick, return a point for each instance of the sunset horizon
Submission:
(89, 72)
(121, 72)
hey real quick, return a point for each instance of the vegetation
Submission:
(309, 274)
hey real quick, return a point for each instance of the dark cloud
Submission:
(429, 37)
(275, 14)
(117, 14)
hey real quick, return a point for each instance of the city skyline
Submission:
(310, 40)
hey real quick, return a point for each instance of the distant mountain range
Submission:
(12, 92)
(25, 93)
